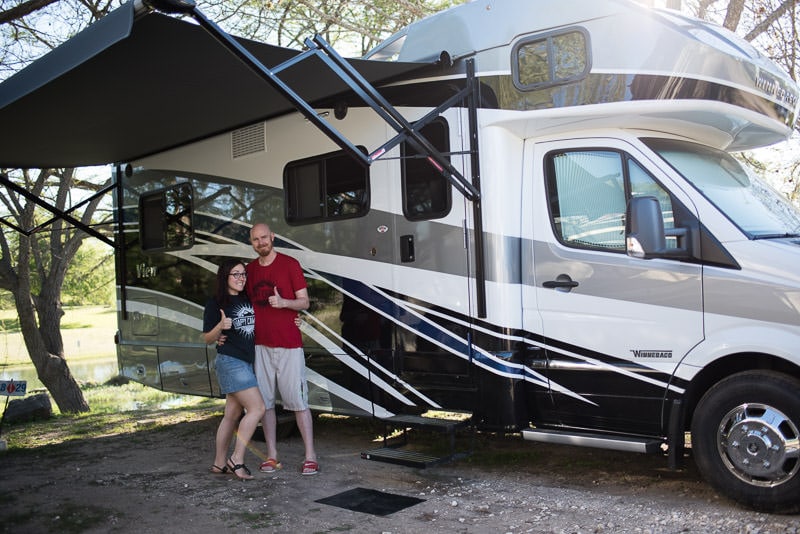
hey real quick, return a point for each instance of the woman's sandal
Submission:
(236, 467)
(217, 470)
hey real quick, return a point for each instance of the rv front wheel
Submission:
(746, 442)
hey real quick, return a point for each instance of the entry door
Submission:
(431, 273)
(614, 327)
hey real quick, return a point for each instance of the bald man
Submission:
(277, 289)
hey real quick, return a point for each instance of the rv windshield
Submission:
(752, 205)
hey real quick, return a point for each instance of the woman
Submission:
(230, 315)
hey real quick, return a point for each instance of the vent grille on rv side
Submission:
(248, 140)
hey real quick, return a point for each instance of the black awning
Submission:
(126, 88)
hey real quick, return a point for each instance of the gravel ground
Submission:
(157, 480)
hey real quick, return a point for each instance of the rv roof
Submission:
(128, 87)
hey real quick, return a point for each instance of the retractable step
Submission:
(427, 423)
(597, 440)
(398, 456)
(395, 454)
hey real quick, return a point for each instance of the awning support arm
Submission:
(59, 213)
(321, 49)
(391, 116)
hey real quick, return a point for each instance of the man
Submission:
(277, 289)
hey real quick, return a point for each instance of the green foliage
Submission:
(7, 303)
(89, 281)
(90, 276)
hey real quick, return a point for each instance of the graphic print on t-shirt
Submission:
(243, 320)
(262, 291)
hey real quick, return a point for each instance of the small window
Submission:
(589, 192)
(165, 218)
(324, 188)
(550, 60)
(426, 191)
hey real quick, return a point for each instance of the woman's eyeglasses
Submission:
(238, 276)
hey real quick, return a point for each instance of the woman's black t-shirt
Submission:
(240, 341)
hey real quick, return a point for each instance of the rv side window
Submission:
(426, 192)
(324, 188)
(550, 60)
(588, 193)
(165, 218)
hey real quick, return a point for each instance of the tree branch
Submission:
(23, 9)
(762, 26)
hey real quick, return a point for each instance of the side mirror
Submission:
(645, 236)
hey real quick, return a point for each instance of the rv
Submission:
(524, 211)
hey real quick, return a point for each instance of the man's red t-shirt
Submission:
(275, 326)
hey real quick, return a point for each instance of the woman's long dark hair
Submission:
(225, 268)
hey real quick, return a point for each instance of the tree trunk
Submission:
(733, 15)
(46, 353)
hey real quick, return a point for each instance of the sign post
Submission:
(13, 388)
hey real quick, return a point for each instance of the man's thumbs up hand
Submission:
(276, 301)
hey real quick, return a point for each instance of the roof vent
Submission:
(248, 140)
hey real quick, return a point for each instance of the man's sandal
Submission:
(310, 467)
(240, 467)
(270, 465)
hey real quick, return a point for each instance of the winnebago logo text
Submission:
(652, 353)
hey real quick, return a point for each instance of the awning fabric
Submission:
(127, 87)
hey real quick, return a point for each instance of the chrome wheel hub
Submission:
(759, 444)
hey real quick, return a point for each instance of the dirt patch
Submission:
(157, 480)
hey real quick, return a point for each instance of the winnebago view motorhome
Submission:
(523, 210)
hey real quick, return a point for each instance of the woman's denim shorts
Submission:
(234, 374)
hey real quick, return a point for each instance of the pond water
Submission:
(97, 371)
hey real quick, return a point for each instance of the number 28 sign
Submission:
(12, 388)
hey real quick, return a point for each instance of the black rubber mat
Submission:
(370, 501)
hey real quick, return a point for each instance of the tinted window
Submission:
(166, 218)
(550, 60)
(327, 187)
(426, 192)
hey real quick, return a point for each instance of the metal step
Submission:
(396, 455)
(427, 423)
(402, 457)
(597, 440)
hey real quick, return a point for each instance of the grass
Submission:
(134, 396)
(114, 410)
(88, 333)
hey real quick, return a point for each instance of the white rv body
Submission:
(616, 279)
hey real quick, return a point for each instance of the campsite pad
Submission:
(370, 501)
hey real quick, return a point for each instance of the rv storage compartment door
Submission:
(184, 370)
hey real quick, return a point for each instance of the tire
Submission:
(746, 440)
